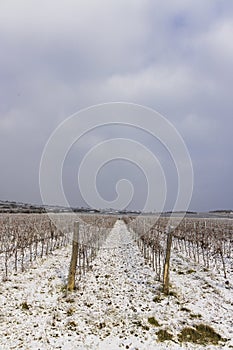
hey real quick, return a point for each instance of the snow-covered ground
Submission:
(111, 307)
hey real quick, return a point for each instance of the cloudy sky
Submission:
(58, 57)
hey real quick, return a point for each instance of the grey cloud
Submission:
(175, 57)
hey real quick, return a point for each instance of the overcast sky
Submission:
(58, 57)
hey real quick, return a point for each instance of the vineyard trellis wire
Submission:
(25, 237)
(92, 235)
(151, 240)
(207, 242)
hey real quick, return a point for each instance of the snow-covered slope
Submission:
(113, 302)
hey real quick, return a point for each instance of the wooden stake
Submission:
(74, 258)
(167, 263)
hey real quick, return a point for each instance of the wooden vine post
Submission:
(167, 262)
(74, 258)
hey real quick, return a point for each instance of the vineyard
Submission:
(206, 242)
(24, 238)
(119, 300)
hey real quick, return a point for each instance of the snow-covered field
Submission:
(113, 302)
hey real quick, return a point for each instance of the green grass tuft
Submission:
(200, 334)
(70, 311)
(71, 325)
(153, 321)
(195, 316)
(157, 299)
(25, 306)
(164, 335)
(185, 309)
